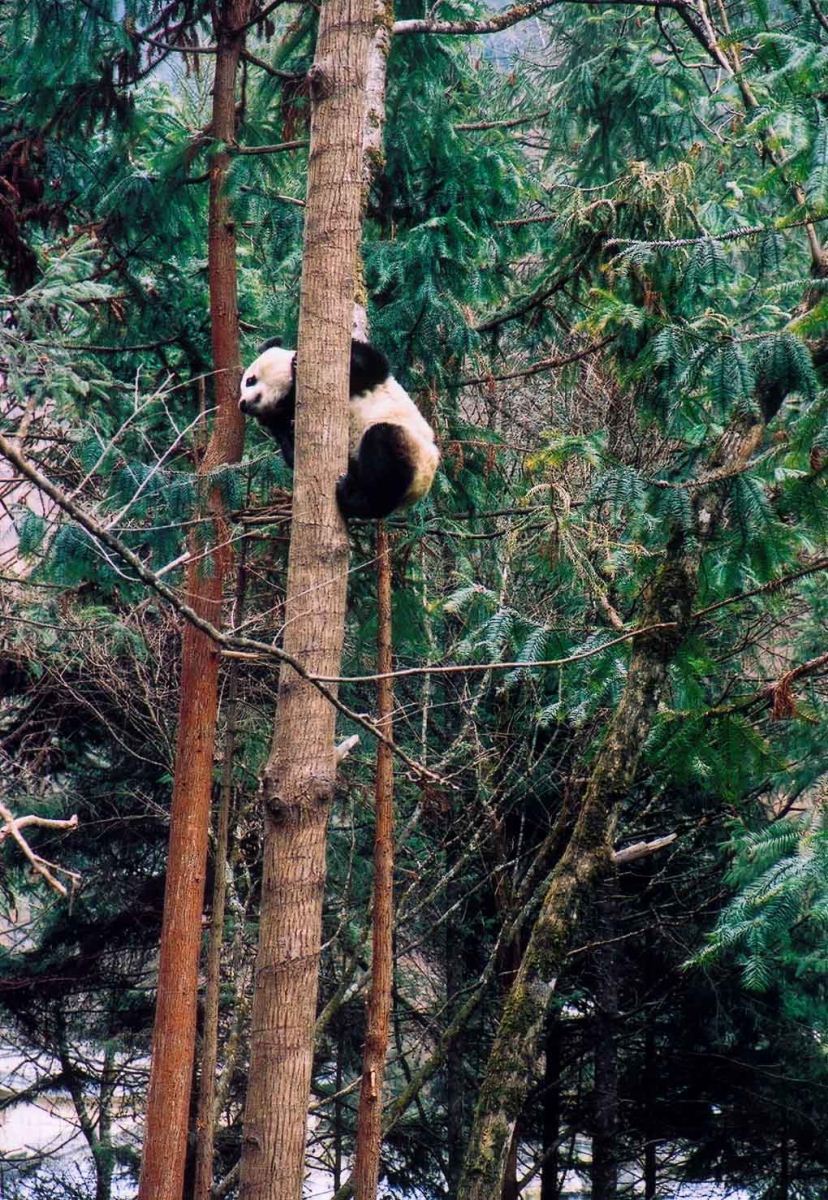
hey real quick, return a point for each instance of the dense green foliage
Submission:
(586, 304)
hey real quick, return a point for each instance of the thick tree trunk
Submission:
(605, 1080)
(369, 1114)
(299, 777)
(173, 1048)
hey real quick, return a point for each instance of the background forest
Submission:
(592, 250)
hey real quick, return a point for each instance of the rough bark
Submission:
(173, 1048)
(299, 777)
(369, 1113)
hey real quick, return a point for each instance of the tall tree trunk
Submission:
(103, 1151)
(605, 1078)
(299, 777)
(206, 1115)
(173, 1046)
(369, 1114)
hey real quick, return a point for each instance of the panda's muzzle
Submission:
(249, 404)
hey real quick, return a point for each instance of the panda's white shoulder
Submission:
(388, 402)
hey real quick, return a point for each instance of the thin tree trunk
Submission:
(173, 1049)
(369, 1113)
(299, 777)
(605, 1080)
(650, 1146)
(455, 1091)
(103, 1152)
(337, 1113)
(784, 1168)
(206, 1115)
(551, 1109)
(509, 1188)
(650, 1075)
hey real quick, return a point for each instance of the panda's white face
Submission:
(266, 381)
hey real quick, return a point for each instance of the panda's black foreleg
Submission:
(279, 424)
(286, 443)
(380, 477)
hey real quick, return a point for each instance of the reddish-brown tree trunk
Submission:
(369, 1114)
(299, 777)
(173, 1046)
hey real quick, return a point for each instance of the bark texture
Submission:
(173, 1045)
(369, 1114)
(299, 777)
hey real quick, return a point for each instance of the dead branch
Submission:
(642, 849)
(12, 826)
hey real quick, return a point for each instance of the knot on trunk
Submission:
(320, 83)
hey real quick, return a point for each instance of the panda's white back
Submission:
(390, 403)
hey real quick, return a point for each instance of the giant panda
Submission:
(392, 456)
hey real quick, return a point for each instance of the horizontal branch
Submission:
(277, 148)
(642, 849)
(265, 66)
(510, 123)
(477, 668)
(511, 16)
(544, 364)
(731, 235)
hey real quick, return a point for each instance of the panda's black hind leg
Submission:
(380, 477)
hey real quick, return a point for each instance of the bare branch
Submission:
(277, 148)
(511, 16)
(642, 849)
(11, 828)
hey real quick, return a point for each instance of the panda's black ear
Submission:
(269, 344)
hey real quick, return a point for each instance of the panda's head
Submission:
(268, 379)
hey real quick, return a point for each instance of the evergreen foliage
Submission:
(644, 226)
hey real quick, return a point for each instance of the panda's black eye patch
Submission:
(251, 381)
